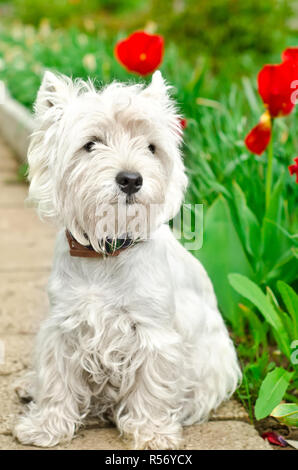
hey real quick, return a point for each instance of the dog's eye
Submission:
(89, 146)
(151, 147)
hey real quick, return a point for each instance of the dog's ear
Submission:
(54, 92)
(158, 88)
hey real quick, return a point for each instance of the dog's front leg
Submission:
(54, 413)
(150, 411)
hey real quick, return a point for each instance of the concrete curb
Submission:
(16, 124)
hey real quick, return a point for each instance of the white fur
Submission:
(135, 339)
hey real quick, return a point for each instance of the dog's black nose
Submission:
(129, 183)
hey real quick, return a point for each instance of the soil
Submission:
(271, 424)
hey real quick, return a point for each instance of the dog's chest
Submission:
(106, 308)
(111, 346)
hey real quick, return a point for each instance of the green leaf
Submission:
(286, 413)
(218, 188)
(290, 299)
(271, 236)
(258, 369)
(248, 222)
(254, 294)
(195, 83)
(255, 370)
(221, 253)
(257, 328)
(285, 268)
(251, 95)
(272, 391)
(285, 318)
(271, 297)
(274, 209)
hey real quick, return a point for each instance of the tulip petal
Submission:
(275, 438)
(293, 169)
(275, 87)
(258, 138)
(290, 54)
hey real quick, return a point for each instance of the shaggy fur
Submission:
(135, 339)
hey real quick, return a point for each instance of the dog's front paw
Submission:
(24, 390)
(161, 442)
(30, 432)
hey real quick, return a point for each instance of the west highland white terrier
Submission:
(134, 335)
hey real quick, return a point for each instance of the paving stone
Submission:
(17, 353)
(224, 435)
(100, 439)
(12, 192)
(230, 410)
(8, 443)
(25, 242)
(10, 405)
(23, 301)
(8, 160)
(216, 435)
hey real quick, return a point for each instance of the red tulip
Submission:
(259, 137)
(290, 54)
(293, 169)
(274, 84)
(140, 52)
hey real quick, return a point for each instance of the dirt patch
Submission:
(271, 424)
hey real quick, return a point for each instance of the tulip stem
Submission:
(269, 170)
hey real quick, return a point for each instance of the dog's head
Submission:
(100, 159)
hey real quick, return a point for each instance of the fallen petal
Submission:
(274, 438)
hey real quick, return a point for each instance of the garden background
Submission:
(213, 52)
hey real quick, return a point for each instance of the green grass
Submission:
(240, 235)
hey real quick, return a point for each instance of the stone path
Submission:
(26, 247)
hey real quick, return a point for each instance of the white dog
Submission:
(136, 338)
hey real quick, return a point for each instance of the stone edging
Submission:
(16, 124)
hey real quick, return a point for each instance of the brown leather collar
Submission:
(87, 251)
